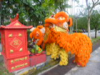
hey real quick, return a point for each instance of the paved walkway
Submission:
(92, 68)
(92, 33)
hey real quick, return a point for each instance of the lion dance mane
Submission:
(58, 42)
(37, 34)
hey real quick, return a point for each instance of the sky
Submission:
(75, 7)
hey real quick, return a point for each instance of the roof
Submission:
(15, 24)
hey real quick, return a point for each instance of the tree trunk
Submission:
(89, 27)
(1, 17)
(95, 33)
(76, 25)
(0, 14)
(2, 20)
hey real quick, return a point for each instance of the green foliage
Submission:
(94, 40)
(28, 34)
(81, 23)
(95, 20)
(36, 49)
(6, 23)
(47, 66)
(79, 30)
(31, 12)
(3, 70)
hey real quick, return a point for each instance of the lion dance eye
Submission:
(61, 18)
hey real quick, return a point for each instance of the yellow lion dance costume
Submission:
(58, 42)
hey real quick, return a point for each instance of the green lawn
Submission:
(3, 70)
(94, 40)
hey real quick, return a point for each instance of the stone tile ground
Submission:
(92, 68)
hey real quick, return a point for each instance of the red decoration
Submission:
(17, 63)
(14, 44)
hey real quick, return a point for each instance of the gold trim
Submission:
(26, 63)
(16, 66)
(25, 58)
(10, 35)
(23, 65)
(17, 24)
(20, 34)
(15, 42)
(12, 68)
(12, 61)
(17, 60)
(21, 49)
(21, 59)
(11, 51)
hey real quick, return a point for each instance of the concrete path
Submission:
(92, 33)
(92, 68)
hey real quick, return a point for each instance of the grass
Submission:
(50, 64)
(3, 70)
(94, 40)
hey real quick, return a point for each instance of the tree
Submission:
(31, 12)
(79, 18)
(95, 21)
(0, 13)
(60, 5)
(90, 6)
(56, 5)
(82, 21)
(1, 10)
(75, 4)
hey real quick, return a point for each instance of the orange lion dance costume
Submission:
(62, 42)
(37, 34)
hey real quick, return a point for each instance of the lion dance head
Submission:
(37, 34)
(61, 20)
